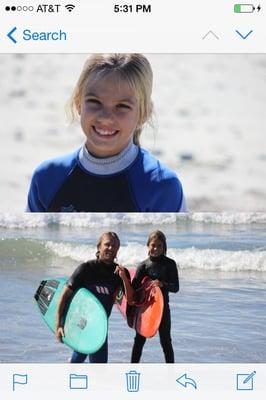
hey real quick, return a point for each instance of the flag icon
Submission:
(19, 379)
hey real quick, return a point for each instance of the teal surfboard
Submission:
(85, 324)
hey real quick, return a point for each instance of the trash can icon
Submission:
(133, 378)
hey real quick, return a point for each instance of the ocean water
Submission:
(219, 314)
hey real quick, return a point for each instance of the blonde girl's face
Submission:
(108, 249)
(108, 114)
(155, 248)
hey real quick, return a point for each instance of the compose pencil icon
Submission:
(245, 381)
(250, 376)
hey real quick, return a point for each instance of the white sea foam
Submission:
(91, 220)
(68, 250)
(97, 220)
(215, 259)
(229, 218)
(197, 259)
(129, 254)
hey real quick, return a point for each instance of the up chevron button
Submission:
(210, 34)
(243, 36)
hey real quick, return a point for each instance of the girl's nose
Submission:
(105, 114)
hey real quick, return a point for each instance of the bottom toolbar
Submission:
(123, 381)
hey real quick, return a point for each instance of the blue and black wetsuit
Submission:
(100, 279)
(132, 181)
(164, 269)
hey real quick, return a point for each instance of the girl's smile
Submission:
(104, 132)
(108, 111)
(155, 248)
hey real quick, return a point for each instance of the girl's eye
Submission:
(123, 106)
(94, 101)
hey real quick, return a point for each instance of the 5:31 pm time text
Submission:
(132, 8)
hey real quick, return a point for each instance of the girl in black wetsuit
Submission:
(103, 277)
(163, 271)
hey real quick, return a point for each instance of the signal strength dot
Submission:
(70, 7)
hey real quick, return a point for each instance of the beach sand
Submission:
(210, 124)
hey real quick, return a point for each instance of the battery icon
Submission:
(244, 8)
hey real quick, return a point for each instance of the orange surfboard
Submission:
(145, 317)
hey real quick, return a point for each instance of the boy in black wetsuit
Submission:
(103, 277)
(163, 271)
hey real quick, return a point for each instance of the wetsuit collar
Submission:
(113, 264)
(160, 258)
(109, 165)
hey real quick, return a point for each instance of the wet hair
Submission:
(159, 235)
(132, 68)
(112, 235)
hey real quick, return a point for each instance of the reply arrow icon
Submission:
(185, 381)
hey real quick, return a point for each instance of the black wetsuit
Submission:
(164, 269)
(100, 279)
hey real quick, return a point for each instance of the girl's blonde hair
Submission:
(112, 235)
(132, 68)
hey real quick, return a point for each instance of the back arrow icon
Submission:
(9, 35)
(184, 381)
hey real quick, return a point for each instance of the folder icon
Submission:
(78, 381)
